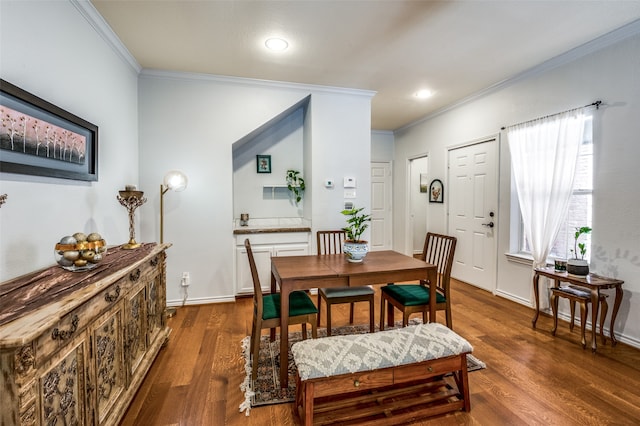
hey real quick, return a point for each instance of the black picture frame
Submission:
(263, 163)
(41, 139)
(436, 191)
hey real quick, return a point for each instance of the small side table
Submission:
(593, 282)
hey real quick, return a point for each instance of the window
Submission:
(580, 205)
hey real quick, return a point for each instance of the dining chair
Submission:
(414, 298)
(266, 312)
(330, 242)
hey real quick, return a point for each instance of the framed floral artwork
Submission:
(39, 138)
(263, 163)
(436, 191)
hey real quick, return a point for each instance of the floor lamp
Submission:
(176, 181)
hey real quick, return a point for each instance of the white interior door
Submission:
(473, 195)
(381, 220)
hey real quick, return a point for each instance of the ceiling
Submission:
(454, 48)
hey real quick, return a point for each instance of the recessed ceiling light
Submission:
(276, 44)
(423, 94)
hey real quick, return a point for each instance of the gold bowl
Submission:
(81, 256)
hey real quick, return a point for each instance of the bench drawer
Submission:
(352, 382)
(426, 369)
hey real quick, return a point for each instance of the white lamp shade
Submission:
(175, 180)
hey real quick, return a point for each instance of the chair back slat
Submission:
(439, 250)
(330, 242)
(257, 288)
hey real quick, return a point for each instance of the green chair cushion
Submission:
(411, 294)
(299, 304)
(346, 291)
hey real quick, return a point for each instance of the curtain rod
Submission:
(595, 104)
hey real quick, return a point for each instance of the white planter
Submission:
(355, 252)
(578, 267)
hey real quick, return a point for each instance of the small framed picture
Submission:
(423, 183)
(436, 191)
(263, 163)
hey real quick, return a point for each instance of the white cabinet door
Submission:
(262, 257)
(290, 250)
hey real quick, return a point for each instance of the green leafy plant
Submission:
(581, 247)
(356, 223)
(295, 184)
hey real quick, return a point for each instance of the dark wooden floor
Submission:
(532, 378)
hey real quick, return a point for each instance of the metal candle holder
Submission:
(131, 200)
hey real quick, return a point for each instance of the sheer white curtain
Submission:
(544, 154)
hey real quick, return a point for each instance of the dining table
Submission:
(293, 273)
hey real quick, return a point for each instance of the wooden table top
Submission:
(591, 280)
(336, 265)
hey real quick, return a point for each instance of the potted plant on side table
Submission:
(575, 266)
(355, 248)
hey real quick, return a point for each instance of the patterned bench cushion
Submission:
(335, 355)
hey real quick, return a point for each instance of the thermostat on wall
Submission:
(349, 182)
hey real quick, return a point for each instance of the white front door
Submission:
(473, 206)
(380, 206)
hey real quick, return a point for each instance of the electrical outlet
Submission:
(186, 279)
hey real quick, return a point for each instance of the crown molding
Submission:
(93, 17)
(243, 81)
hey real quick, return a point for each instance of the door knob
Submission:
(490, 224)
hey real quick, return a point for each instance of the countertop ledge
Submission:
(242, 231)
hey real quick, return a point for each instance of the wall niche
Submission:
(265, 195)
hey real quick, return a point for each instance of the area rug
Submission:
(266, 389)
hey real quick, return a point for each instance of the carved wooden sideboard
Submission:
(75, 346)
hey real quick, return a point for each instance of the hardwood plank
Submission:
(532, 378)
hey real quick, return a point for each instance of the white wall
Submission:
(382, 145)
(611, 74)
(49, 49)
(189, 122)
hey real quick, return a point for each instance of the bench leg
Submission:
(572, 304)
(554, 308)
(465, 384)
(308, 404)
(584, 310)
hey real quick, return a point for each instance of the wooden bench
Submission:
(394, 376)
(583, 297)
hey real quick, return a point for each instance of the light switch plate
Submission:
(349, 193)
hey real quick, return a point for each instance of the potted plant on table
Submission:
(575, 266)
(355, 248)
